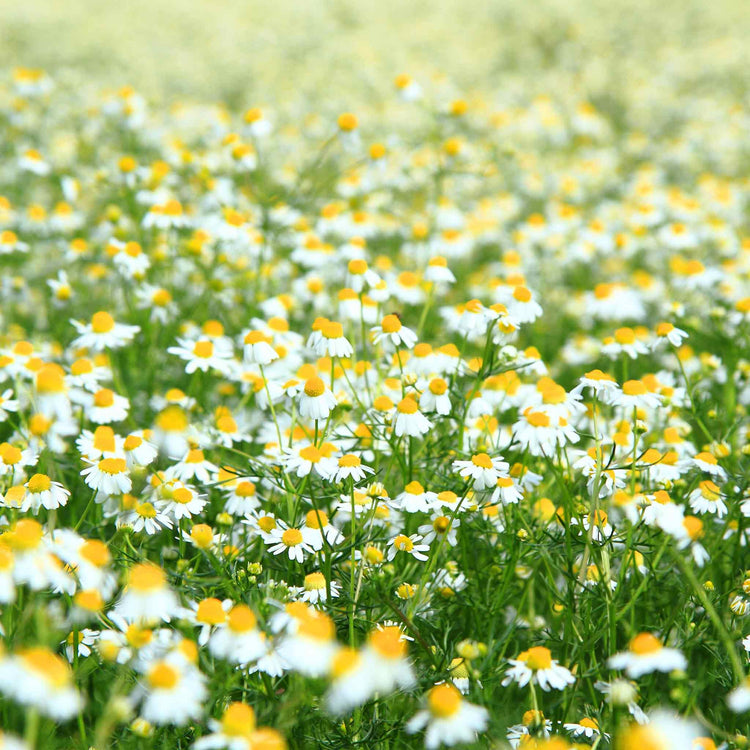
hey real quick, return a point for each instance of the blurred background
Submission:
(237, 50)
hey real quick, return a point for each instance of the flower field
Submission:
(403, 411)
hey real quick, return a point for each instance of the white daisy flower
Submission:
(647, 654)
(482, 469)
(448, 718)
(103, 333)
(537, 665)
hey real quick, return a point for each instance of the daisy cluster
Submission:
(318, 431)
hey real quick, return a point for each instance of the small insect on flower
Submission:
(538, 667)
(647, 654)
(448, 718)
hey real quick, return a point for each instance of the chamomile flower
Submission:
(415, 499)
(289, 541)
(257, 348)
(42, 492)
(171, 691)
(309, 644)
(305, 458)
(318, 530)
(436, 397)
(409, 420)
(103, 333)
(663, 731)
(647, 654)
(41, 680)
(332, 341)
(108, 475)
(203, 355)
(316, 400)
(387, 660)
(238, 639)
(411, 545)
(635, 395)
(668, 332)
(106, 407)
(448, 718)
(147, 596)
(350, 466)
(537, 665)
(392, 332)
(316, 587)
(235, 730)
(706, 498)
(482, 470)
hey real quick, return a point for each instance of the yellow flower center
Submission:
(310, 453)
(48, 664)
(314, 387)
(292, 537)
(345, 661)
(238, 720)
(162, 676)
(245, 489)
(242, 619)
(102, 322)
(39, 483)
(403, 543)
(634, 388)
(391, 324)
(316, 519)
(537, 658)
(388, 642)
(482, 460)
(113, 465)
(645, 643)
(315, 582)
(95, 552)
(444, 700)
(332, 330)
(104, 398)
(146, 577)
(407, 406)
(203, 349)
